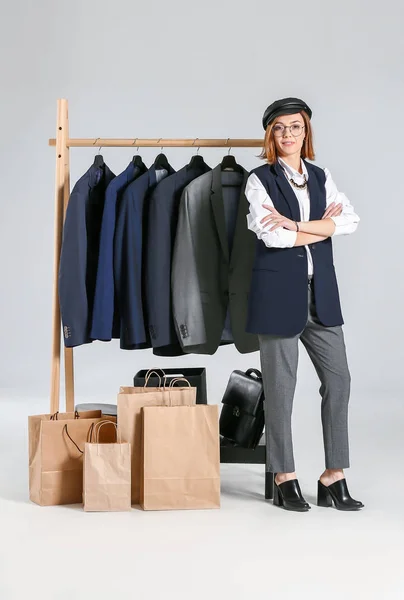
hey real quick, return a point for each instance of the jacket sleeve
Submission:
(72, 274)
(186, 296)
(158, 255)
(103, 310)
(118, 245)
(347, 221)
(257, 195)
(129, 245)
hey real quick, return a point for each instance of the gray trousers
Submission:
(279, 360)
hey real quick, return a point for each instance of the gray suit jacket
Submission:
(212, 264)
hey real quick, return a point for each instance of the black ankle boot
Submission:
(337, 492)
(289, 496)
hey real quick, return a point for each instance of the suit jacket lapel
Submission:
(152, 176)
(216, 199)
(287, 192)
(316, 212)
(241, 225)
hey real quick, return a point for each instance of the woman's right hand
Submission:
(333, 210)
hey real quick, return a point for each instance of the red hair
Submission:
(269, 150)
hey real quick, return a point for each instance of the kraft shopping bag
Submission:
(106, 474)
(130, 403)
(56, 444)
(181, 457)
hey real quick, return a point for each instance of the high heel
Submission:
(337, 492)
(289, 496)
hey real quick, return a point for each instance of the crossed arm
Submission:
(309, 232)
(277, 231)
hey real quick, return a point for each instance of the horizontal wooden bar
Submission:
(162, 143)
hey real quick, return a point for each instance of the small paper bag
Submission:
(130, 403)
(106, 474)
(56, 444)
(181, 457)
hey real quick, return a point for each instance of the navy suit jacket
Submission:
(162, 225)
(79, 254)
(105, 312)
(128, 259)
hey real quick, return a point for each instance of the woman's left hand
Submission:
(277, 220)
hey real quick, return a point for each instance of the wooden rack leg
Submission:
(69, 379)
(68, 352)
(62, 191)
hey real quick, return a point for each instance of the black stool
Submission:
(231, 453)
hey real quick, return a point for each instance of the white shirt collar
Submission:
(291, 171)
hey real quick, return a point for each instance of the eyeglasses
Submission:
(295, 129)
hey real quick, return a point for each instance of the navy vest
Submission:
(278, 299)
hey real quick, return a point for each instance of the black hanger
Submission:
(229, 162)
(161, 162)
(98, 160)
(137, 161)
(196, 162)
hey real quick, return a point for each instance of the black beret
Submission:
(284, 106)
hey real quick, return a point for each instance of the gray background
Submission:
(206, 69)
(178, 69)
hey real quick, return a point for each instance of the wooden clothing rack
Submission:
(62, 193)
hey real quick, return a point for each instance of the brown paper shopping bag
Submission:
(181, 457)
(106, 474)
(130, 403)
(56, 443)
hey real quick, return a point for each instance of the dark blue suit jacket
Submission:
(104, 301)
(128, 259)
(79, 254)
(162, 225)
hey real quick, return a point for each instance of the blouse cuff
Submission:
(289, 236)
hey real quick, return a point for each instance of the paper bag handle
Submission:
(149, 374)
(72, 440)
(55, 416)
(100, 424)
(97, 428)
(171, 384)
(154, 369)
(171, 387)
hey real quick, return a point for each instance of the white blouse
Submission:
(257, 195)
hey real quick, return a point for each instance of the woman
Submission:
(295, 210)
